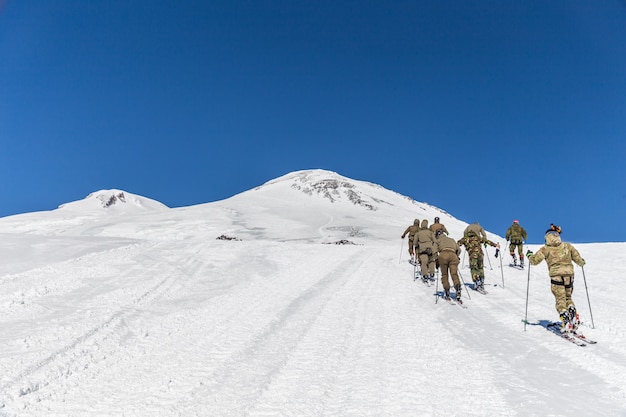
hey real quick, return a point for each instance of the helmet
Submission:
(557, 229)
(436, 219)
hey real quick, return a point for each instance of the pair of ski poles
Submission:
(593, 326)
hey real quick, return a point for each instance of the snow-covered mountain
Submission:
(311, 205)
(117, 305)
(117, 201)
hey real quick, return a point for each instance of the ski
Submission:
(451, 301)
(583, 338)
(580, 336)
(480, 290)
(417, 275)
(570, 337)
(521, 268)
(461, 304)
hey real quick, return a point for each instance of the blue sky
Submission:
(492, 110)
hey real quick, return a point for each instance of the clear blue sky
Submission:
(492, 110)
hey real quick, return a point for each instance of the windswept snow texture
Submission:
(143, 311)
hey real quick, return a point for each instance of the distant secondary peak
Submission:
(108, 201)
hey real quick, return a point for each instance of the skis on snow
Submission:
(481, 290)
(572, 336)
(451, 300)
(575, 338)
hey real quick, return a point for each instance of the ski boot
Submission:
(446, 294)
(514, 259)
(521, 261)
(565, 318)
(458, 293)
(574, 320)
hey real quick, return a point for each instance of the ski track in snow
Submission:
(197, 328)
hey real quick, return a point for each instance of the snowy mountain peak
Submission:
(114, 200)
(109, 200)
(333, 187)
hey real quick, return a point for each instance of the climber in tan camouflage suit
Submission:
(424, 242)
(559, 256)
(448, 252)
(438, 226)
(473, 242)
(411, 230)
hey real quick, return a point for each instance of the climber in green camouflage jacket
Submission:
(516, 235)
(473, 245)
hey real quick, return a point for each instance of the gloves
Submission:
(497, 252)
(529, 254)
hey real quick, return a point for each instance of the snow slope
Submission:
(141, 311)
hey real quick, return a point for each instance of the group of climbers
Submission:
(431, 248)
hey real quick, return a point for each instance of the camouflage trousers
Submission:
(477, 266)
(562, 288)
(449, 262)
(520, 249)
(427, 263)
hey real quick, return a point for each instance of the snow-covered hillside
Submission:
(142, 311)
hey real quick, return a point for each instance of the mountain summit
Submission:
(314, 206)
(114, 200)
(333, 187)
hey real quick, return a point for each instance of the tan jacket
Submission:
(411, 230)
(477, 229)
(445, 243)
(438, 226)
(424, 240)
(558, 255)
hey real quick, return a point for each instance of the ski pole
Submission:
(463, 263)
(437, 288)
(501, 270)
(463, 281)
(527, 287)
(593, 326)
(401, 247)
(489, 260)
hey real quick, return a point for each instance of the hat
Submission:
(515, 221)
(555, 230)
(436, 219)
